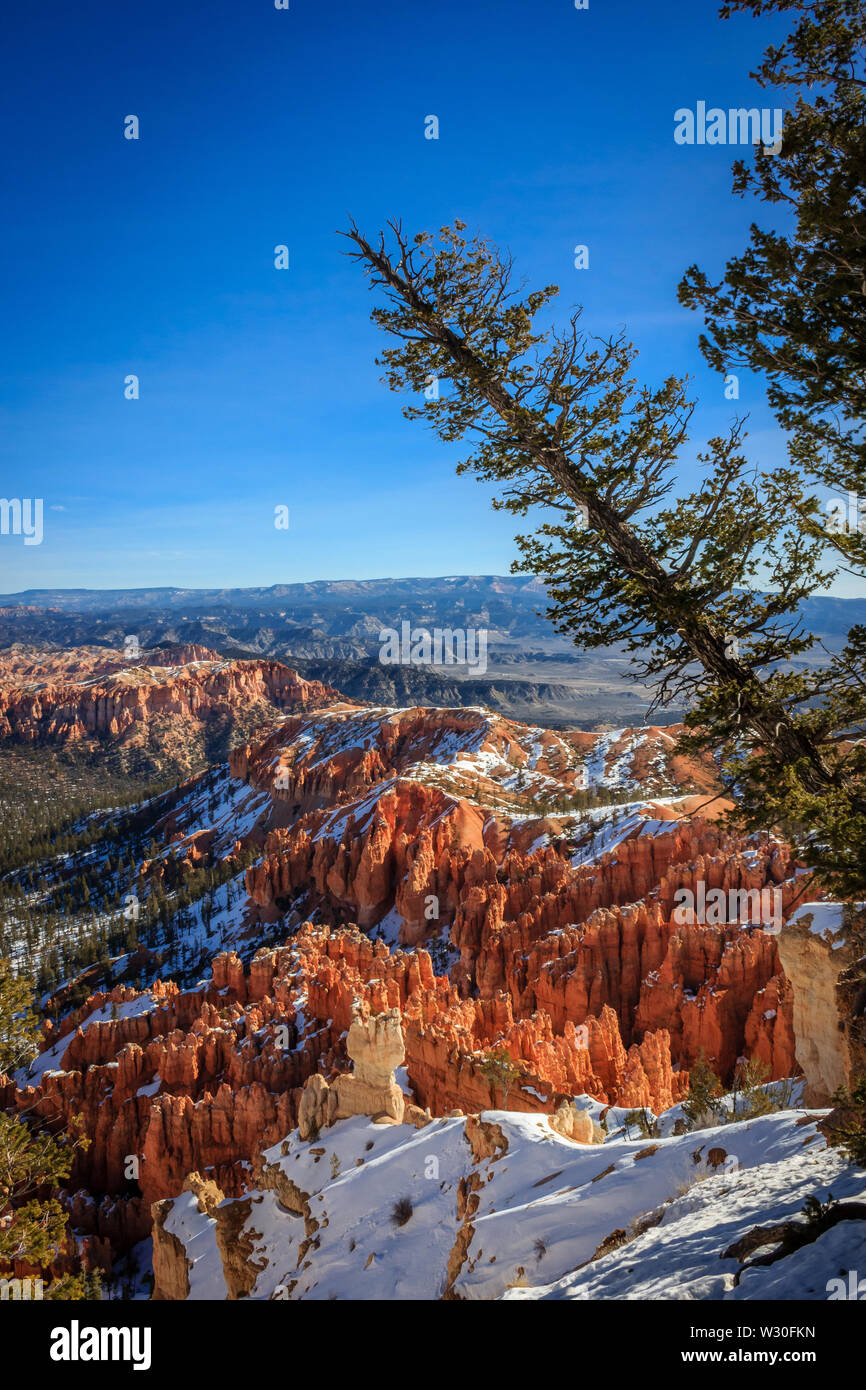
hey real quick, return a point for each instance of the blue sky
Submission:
(258, 387)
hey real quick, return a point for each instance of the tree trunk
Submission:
(776, 730)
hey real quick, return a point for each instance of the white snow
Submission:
(545, 1206)
(826, 920)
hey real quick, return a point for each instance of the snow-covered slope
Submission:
(502, 1206)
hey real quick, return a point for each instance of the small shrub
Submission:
(402, 1211)
(816, 1211)
(612, 1242)
(644, 1121)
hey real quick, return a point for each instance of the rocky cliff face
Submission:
(119, 701)
(198, 1081)
(822, 950)
(93, 698)
(532, 904)
(22, 665)
(457, 899)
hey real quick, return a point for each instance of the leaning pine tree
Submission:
(704, 592)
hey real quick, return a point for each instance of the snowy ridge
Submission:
(547, 1209)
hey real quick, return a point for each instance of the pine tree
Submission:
(701, 1106)
(791, 306)
(19, 1025)
(750, 1079)
(32, 1224)
(499, 1070)
(850, 1134)
(561, 425)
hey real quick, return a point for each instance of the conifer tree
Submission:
(500, 1070)
(19, 1025)
(32, 1165)
(705, 594)
(791, 307)
(701, 1105)
(850, 1134)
